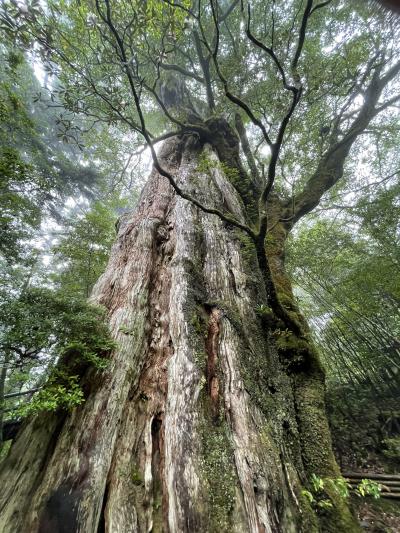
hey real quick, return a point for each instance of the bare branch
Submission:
(302, 34)
(388, 103)
(24, 393)
(268, 51)
(107, 19)
(229, 10)
(234, 99)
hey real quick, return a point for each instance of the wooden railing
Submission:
(390, 483)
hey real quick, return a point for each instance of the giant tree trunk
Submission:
(204, 420)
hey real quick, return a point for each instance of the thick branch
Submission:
(205, 66)
(276, 147)
(185, 126)
(330, 168)
(234, 99)
(229, 10)
(302, 34)
(183, 71)
(318, 6)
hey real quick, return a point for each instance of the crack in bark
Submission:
(159, 514)
(102, 521)
(213, 386)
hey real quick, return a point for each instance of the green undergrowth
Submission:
(70, 333)
(329, 498)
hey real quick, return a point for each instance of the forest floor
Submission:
(375, 515)
(378, 516)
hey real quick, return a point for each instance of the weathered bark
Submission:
(200, 422)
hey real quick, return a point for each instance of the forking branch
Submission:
(107, 19)
(213, 49)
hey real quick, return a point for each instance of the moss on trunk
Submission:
(204, 421)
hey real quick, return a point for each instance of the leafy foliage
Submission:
(62, 391)
(37, 170)
(318, 495)
(316, 92)
(46, 175)
(82, 253)
(53, 334)
(347, 276)
(367, 487)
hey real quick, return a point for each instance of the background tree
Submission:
(52, 170)
(82, 253)
(36, 167)
(348, 286)
(48, 176)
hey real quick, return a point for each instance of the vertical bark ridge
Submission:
(81, 460)
(260, 478)
(212, 359)
(136, 490)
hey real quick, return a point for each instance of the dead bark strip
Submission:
(212, 359)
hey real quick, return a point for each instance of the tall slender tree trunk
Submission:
(210, 416)
(3, 377)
